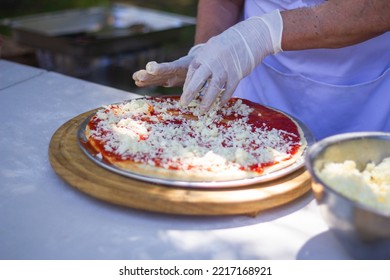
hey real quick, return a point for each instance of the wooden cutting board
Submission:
(75, 168)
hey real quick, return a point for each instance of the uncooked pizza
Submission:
(156, 136)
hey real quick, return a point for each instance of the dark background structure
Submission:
(119, 73)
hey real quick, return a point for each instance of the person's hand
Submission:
(226, 58)
(167, 74)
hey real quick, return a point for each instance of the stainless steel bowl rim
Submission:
(319, 146)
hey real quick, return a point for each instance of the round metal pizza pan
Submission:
(91, 154)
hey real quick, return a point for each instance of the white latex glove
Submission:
(227, 58)
(167, 74)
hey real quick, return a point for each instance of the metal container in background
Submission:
(98, 43)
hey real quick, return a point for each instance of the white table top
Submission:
(11, 73)
(44, 218)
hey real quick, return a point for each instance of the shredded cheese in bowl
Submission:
(370, 186)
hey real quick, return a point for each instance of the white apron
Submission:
(330, 90)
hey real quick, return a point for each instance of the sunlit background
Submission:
(111, 64)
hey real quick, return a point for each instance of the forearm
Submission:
(215, 16)
(335, 24)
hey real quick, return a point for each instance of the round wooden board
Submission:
(74, 167)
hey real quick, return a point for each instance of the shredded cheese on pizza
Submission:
(159, 132)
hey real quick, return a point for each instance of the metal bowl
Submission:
(362, 230)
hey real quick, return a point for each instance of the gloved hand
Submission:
(227, 58)
(167, 74)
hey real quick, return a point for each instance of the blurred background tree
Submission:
(12, 8)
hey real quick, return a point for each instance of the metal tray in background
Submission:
(98, 30)
(91, 154)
